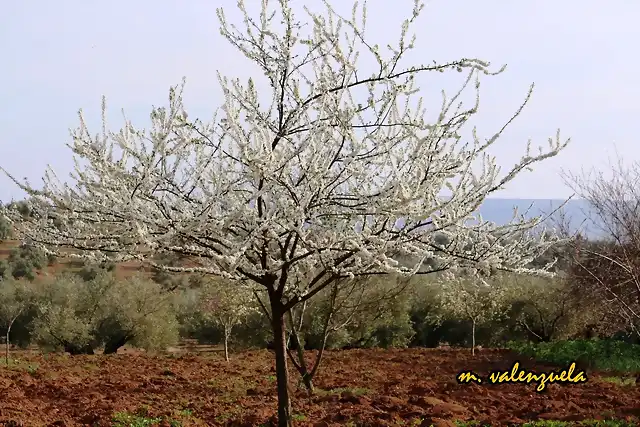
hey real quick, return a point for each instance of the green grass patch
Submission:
(186, 413)
(621, 381)
(125, 419)
(229, 415)
(140, 419)
(356, 391)
(91, 367)
(603, 355)
(416, 422)
(20, 365)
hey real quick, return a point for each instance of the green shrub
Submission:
(540, 307)
(80, 316)
(254, 332)
(6, 230)
(22, 268)
(16, 298)
(68, 315)
(51, 259)
(22, 328)
(395, 332)
(139, 312)
(426, 315)
(22, 262)
(5, 269)
(34, 256)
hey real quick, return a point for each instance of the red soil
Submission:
(367, 387)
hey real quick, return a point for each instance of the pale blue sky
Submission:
(58, 57)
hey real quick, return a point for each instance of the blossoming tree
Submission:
(473, 299)
(227, 306)
(338, 175)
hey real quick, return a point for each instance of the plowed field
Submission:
(364, 387)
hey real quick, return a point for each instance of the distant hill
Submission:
(576, 211)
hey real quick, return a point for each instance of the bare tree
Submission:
(609, 268)
(334, 177)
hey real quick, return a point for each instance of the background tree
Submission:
(139, 312)
(227, 305)
(195, 323)
(6, 231)
(425, 312)
(331, 173)
(541, 306)
(81, 316)
(67, 314)
(380, 318)
(609, 269)
(90, 271)
(473, 299)
(15, 299)
(23, 262)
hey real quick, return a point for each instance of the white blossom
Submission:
(340, 175)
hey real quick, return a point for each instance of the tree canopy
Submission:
(337, 175)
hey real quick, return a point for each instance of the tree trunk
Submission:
(307, 377)
(6, 349)
(6, 346)
(301, 364)
(6, 338)
(75, 350)
(473, 337)
(282, 374)
(112, 346)
(227, 332)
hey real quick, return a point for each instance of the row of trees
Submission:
(89, 309)
(79, 315)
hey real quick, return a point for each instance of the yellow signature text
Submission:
(518, 375)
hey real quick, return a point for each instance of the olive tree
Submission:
(67, 314)
(542, 306)
(79, 316)
(16, 297)
(336, 175)
(5, 229)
